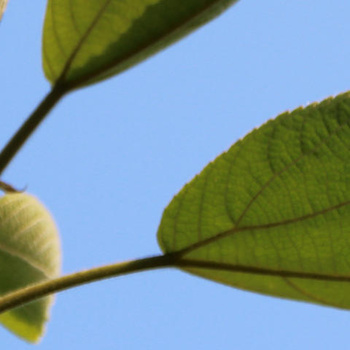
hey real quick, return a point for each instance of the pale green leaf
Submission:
(272, 214)
(29, 253)
(87, 41)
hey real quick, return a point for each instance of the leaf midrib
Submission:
(24, 258)
(82, 41)
(213, 265)
(107, 67)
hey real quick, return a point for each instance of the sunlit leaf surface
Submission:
(272, 214)
(86, 41)
(29, 253)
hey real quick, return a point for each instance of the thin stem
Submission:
(37, 291)
(29, 126)
(34, 292)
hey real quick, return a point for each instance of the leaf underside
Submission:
(29, 253)
(272, 214)
(87, 41)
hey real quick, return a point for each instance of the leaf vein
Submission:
(236, 230)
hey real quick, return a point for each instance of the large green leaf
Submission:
(86, 41)
(272, 214)
(3, 4)
(29, 253)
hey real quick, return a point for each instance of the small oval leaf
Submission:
(272, 214)
(29, 253)
(87, 41)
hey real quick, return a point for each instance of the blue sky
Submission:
(110, 157)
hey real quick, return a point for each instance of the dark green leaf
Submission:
(87, 41)
(272, 214)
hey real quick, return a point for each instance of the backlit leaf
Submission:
(87, 41)
(29, 253)
(272, 214)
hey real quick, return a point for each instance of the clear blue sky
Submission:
(110, 157)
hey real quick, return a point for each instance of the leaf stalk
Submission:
(39, 290)
(30, 125)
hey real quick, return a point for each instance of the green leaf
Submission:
(272, 214)
(87, 41)
(3, 4)
(29, 253)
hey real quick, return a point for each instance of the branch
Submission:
(29, 126)
(37, 291)
(34, 292)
